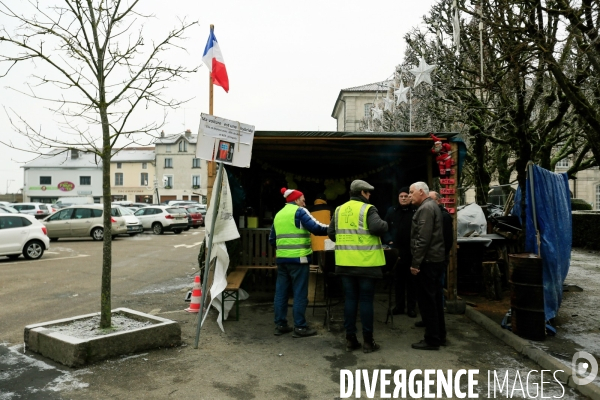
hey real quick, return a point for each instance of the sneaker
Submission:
(280, 330)
(303, 332)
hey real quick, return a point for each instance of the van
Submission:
(73, 201)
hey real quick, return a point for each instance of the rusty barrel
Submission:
(526, 278)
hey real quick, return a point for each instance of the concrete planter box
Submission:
(74, 352)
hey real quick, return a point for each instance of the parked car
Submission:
(39, 210)
(134, 226)
(8, 209)
(162, 218)
(197, 219)
(81, 221)
(74, 200)
(22, 234)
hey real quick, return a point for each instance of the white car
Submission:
(22, 234)
(162, 218)
(8, 209)
(40, 210)
(134, 226)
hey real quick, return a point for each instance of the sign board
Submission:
(447, 181)
(446, 191)
(448, 200)
(226, 141)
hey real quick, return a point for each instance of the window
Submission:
(368, 107)
(13, 222)
(564, 163)
(96, 213)
(195, 163)
(144, 179)
(45, 180)
(119, 179)
(62, 215)
(144, 165)
(119, 165)
(168, 179)
(168, 148)
(196, 181)
(82, 213)
(168, 163)
(85, 180)
(182, 146)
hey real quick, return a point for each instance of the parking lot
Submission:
(66, 281)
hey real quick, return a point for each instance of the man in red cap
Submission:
(290, 234)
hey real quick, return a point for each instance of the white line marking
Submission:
(52, 252)
(45, 259)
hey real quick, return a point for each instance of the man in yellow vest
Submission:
(290, 234)
(356, 228)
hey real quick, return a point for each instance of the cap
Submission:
(404, 189)
(358, 185)
(291, 194)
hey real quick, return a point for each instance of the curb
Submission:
(524, 347)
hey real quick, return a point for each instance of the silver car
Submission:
(134, 226)
(81, 221)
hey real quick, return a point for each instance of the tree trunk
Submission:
(105, 294)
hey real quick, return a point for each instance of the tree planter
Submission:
(46, 339)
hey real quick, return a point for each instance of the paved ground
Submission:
(152, 273)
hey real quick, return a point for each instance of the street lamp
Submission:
(8, 184)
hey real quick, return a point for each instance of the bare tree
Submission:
(95, 53)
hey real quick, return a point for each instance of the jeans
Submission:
(295, 275)
(359, 293)
(431, 303)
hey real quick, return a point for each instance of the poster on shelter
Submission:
(226, 141)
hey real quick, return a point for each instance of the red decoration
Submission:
(447, 191)
(442, 152)
(451, 210)
(448, 200)
(447, 181)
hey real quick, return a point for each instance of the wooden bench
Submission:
(232, 291)
(257, 252)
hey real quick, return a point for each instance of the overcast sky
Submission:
(287, 62)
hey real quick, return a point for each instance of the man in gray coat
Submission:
(428, 256)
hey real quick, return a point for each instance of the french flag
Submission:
(213, 58)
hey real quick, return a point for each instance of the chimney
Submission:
(162, 133)
(188, 133)
(74, 154)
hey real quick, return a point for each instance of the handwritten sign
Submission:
(448, 200)
(447, 191)
(226, 141)
(230, 131)
(65, 186)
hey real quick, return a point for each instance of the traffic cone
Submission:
(196, 294)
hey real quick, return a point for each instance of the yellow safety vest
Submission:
(354, 245)
(291, 241)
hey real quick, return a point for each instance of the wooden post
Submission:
(452, 280)
(210, 165)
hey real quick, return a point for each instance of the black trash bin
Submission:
(526, 279)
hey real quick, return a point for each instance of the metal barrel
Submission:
(526, 279)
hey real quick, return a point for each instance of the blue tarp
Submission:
(553, 212)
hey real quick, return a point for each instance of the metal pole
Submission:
(531, 188)
(211, 235)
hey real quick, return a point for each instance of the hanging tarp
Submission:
(552, 200)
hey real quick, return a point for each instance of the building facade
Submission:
(179, 174)
(132, 173)
(62, 174)
(353, 105)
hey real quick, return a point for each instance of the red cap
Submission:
(291, 194)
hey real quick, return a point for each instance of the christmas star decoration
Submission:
(423, 72)
(400, 94)
(377, 112)
(389, 103)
